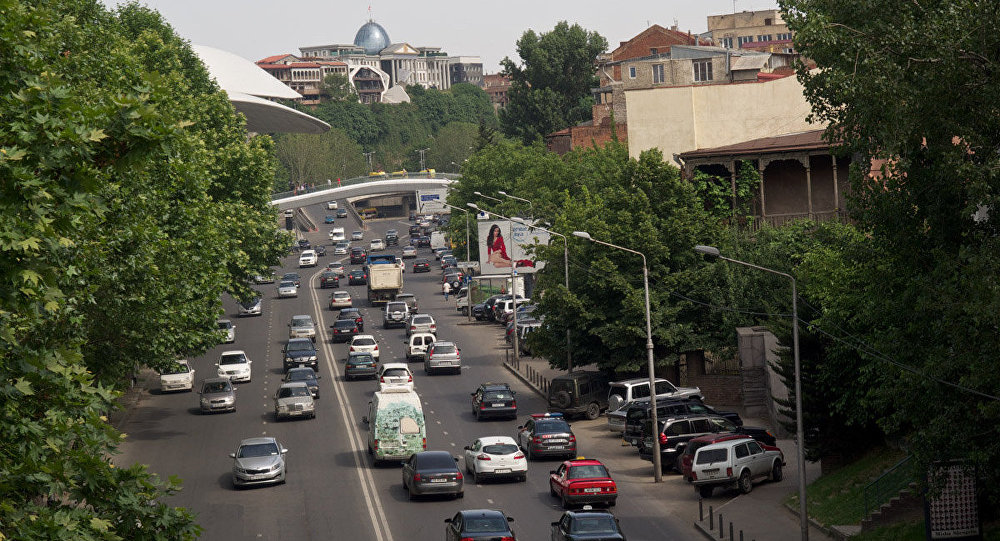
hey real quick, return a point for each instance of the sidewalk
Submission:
(760, 516)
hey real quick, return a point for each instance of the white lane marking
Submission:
(438, 422)
(376, 511)
(445, 432)
(452, 444)
(489, 501)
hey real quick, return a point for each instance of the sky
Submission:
(254, 29)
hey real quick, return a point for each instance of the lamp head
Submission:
(710, 251)
(582, 235)
(501, 192)
(472, 205)
(478, 193)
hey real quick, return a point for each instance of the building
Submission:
(304, 77)
(690, 65)
(764, 31)
(467, 69)
(496, 86)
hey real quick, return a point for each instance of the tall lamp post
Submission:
(657, 473)
(800, 454)
(531, 207)
(481, 194)
(569, 350)
(468, 260)
(513, 275)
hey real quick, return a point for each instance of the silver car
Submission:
(294, 399)
(258, 461)
(217, 394)
(287, 289)
(341, 299)
(358, 235)
(443, 356)
(342, 248)
(338, 268)
(421, 323)
(302, 326)
(227, 329)
(251, 307)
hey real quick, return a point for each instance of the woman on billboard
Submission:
(496, 250)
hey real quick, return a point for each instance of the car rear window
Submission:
(497, 395)
(444, 350)
(364, 342)
(500, 449)
(485, 524)
(436, 460)
(708, 456)
(286, 392)
(395, 372)
(422, 320)
(362, 359)
(602, 524)
(551, 427)
(585, 472)
(344, 324)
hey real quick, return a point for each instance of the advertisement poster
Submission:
(498, 248)
(429, 201)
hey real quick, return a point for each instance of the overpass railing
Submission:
(363, 180)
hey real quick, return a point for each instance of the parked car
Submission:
(634, 416)
(494, 400)
(294, 399)
(364, 343)
(630, 390)
(394, 375)
(579, 392)
(305, 375)
(586, 525)
(267, 277)
(343, 330)
(328, 278)
(234, 365)
(443, 356)
(217, 394)
(675, 432)
(177, 376)
(583, 481)
(299, 352)
(340, 300)
(495, 457)
(432, 472)
(546, 434)
(479, 525)
(258, 461)
(227, 329)
(251, 307)
(686, 460)
(734, 463)
(360, 365)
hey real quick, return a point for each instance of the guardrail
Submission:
(362, 180)
(888, 485)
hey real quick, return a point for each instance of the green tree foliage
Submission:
(132, 200)
(453, 144)
(337, 87)
(314, 158)
(550, 89)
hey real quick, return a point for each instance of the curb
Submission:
(521, 377)
(812, 522)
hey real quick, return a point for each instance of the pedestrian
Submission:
(447, 289)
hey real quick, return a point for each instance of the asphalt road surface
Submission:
(332, 491)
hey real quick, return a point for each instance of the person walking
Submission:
(447, 289)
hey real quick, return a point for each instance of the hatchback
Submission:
(394, 375)
(432, 472)
(360, 365)
(444, 356)
(328, 219)
(358, 255)
(217, 394)
(178, 376)
(342, 248)
(421, 323)
(364, 343)
(495, 457)
(294, 399)
(338, 268)
(356, 315)
(479, 525)
(258, 461)
(546, 434)
(305, 375)
(328, 278)
(357, 277)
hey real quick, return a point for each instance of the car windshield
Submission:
(287, 392)
(445, 349)
(600, 524)
(251, 302)
(225, 325)
(236, 358)
(177, 368)
(300, 345)
(363, 342)
(551, 427)
(217, 387)
(419, 261)
(585, 472)
(257, 449)
(498, 395)
(709, 456)
(436, 461)
(485, 524)
(500, 449)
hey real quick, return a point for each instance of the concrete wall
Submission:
(680, 119)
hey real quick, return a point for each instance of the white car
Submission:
(401, 263)
(287, 289)
(364, 343)
(342, 248)
(495, 457)
(394, 375)
(409, 252)
(358, 235)
(227, 329)
(331, 205)
(179, 376)
(234, 365)
(377, 244)
(251, 307)
(308, 258)
(734, 463)
(337, 234)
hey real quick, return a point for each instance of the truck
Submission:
(385, 278)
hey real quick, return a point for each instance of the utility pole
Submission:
(368, 157)
(422, 152)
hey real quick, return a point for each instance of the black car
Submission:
(328, 279)
(341, 213)
(360, 365)
(494, 400)
(479, 525)
(637, 415)
(675, 432)
(343, 330)
(546, 434)
(421, 265)
(432, 473)
(355, 314)
(320, 250)
(358, 255)
(299, 352)
(586, 525)
(291, 277)
(303, 244)
(423, 241)
(479, 311)
(304, 374)
(414, 231)
(357, 277)
(413, 216)
(392, 238)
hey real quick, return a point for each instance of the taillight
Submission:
(506, 538)
(537, 439)
(466, 539)
(663, 439)
(694, 476)
(519, 456)
(376, 347)
(352, 348)
(381, 379)
(416, 477)
(409, 378)
(482, 406)
(729, 472)
(459, 476)
(412, 328)
(572, 438)
(424, 443)
(376, 445)
(513, 403)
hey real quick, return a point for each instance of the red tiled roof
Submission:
(273, 59)
(792, 142)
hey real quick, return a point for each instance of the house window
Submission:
(653, 51)
(767, 22)
(743, 39)
(657, 73)
(631, 72)
(703, 71)
(785, 36)
(727, 42)
(764, 37)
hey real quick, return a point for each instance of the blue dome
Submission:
(372, 37)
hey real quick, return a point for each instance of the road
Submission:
(332, 491)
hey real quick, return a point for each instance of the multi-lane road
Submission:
(332, 491)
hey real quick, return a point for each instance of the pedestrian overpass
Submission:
(363, 186)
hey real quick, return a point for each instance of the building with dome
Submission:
(374, 65)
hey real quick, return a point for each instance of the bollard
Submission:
(730, 531)
(711, 519)
(741, 535)
(722, 531)
(701, 510)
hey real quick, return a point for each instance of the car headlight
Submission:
(310, 406)
(312, 358)
(289, 360)
(276, 467)
(205, 402)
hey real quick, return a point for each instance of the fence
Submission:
(532, 376)
(888, 485)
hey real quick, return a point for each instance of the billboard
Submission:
(429, 201)
(499, 246)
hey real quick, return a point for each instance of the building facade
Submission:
(496, 86)
(755, 30)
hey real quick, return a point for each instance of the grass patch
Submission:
(838, 497)
(906, 531)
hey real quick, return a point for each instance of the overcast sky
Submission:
(255, 29)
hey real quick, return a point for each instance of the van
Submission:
(395, 425)
(417, 344)
(337, 234)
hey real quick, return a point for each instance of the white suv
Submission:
(627, 391)
(734, 463)
(308, 258)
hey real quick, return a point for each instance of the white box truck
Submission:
(385, 278)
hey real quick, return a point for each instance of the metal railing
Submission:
(888, 485)
(362, 180)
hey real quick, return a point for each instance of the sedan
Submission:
(320, 251)
(337, 268)
(360, 365)
(341, 213)
(292, 277)
(357, 277)
(227, 329)
(328, 219)
(356, 315)
(331, 205)
(294, 399)
(421, 265)
(583, 481)
(586, 525)
(258, 461)
(423, 241)
(376, 244)
(357, 235)
(340, 299)
(328, 278)
(479, 525)
(287, 288)
(251, 307)
(341, 248)
(178, 376)
(494, 457)
(305, 375)
(234, 365)
(432, 472)
(217, 394)
(343, 330)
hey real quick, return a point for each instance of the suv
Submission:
(632, 417)
(302, 327)
(734, 463)
(579, 392)
(299, 352)
(630, 390)
(410, 299)
(396, 313)
(358, 255)
(391, 238)
(677, 431)
(494, 400)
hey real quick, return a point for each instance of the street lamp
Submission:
(531, 208)
(468, 264)
(657, 473)
(480, 194)
(569, 350)
(800, 454)
(513, 275)
(422, 151)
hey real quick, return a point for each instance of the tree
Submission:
(314, 158)
(550, 90)
(453, 144)
(337, 87)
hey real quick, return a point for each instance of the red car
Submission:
(686, 458)
(583, 481)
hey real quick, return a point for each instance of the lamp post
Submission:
(569, 350)
(531, 207)
(468, 260)
(513, 276)
(481, 194)
(657, 473)
(800, 454)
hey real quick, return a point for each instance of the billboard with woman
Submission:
(497, 250)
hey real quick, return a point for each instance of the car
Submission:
(686, 459)
(578, 392)
(287, 288)
(251, 307)
(303, 244)
(423, 241)
(414, 231)
(495, 457)
(401, 263)
(494, 400)
(331, 205)
(413, 216)
(320, 250)
(432, 472)
(340, 300)
(453, 279)
(376, 244)
(217, 394)
(417, 344)
(266, 277)
(479, 312)
(438, 251)
(357, 235)
(394, 375)
(292, 277)
(360, 365)
(305, 375)
(675, 432)
(341, 213)
(294, 399)
(630, 390)
(342, 248)
(479, 525)
(734, 463)
(308, 258)
(329, 219)
(443, 356)
(583, 481)
(364, 343)
(358, 255)
(585, 525)
(449, 262)
(227, 329)
(328, 278)
(421, 265)
(302, 326)
(396, 313)
(234, 365)
(421, 323)
(355, 314)
(524, 311)
(357, 277)
(177, 376)
(410, 299)
(392, 238)
(546, 434)
(337, 267)
(337, 234)
(343, 330)
(409, 252)
(636, 415)
(299, 352)
(258, 461)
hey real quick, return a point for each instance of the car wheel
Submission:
(562, 399)
(460, 494)
(565, 504)
(593, 411)
(745, 482)
(705, 492)
(522, 479)
(776, 473)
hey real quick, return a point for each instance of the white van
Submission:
(417, 344)
(395, 425)
(337, 234)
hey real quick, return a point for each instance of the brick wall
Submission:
(719, 390)
(588, 136)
